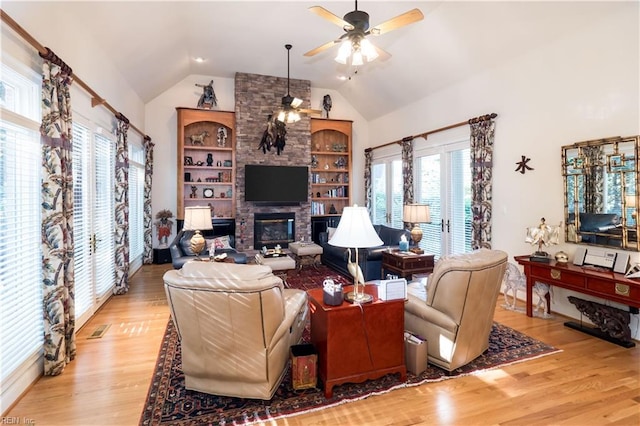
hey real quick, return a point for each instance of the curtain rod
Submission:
(430, 132)
(48, 54)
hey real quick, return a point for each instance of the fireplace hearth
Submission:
(271, 229)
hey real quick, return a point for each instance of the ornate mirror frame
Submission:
(602, 192)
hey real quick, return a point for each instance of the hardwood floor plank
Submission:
(590, 382)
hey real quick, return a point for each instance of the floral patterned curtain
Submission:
(482, 136)
(148, 174)
(57, 216)
(407, 170)
(122, 206)
(368, 196)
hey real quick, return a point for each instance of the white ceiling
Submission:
(154, 43)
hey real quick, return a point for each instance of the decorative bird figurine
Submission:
(326, 104)
(352, 268)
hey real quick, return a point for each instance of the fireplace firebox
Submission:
(271, 229)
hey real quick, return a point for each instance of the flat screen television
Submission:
(276, 184)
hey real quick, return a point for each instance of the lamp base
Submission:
(353, 297)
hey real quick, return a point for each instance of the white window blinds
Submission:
(21, 325)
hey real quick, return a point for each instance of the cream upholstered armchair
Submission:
(457, 315)
(236, 324)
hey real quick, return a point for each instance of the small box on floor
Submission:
(415, 353)
(304, 362)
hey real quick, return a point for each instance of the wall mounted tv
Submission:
(276, 184)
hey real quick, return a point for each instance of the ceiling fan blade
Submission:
(321, 48)
(399, 21)
(383, 55)
(324, 13)
(310, 111)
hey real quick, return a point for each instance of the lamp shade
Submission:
(355, 229)
(416, 213)
(197, 218)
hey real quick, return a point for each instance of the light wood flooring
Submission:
(592, 382)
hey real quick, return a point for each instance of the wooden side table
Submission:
(406, 264)
(357, 342)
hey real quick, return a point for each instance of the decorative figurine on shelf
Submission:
(332, 209)
(199, 138)
(314, 162)
(340, 163)
(164, 225)
(209, 159)
(208, 98)
(194, 190)
(222, 136)
(327, 104)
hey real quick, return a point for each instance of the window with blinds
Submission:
(21, 333)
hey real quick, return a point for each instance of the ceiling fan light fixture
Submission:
(344, 52)
(296, 102)
(367, 49)
(356, 58)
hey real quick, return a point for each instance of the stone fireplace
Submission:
(256, 97)
(271, 229)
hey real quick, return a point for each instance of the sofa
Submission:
(180, 248)
(236, 324)
(370, 259)
(454, 313)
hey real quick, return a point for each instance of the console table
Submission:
(357, 342)
(594, 281)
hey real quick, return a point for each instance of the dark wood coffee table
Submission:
(357, 342)
(406, 264)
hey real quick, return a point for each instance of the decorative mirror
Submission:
(601, 192)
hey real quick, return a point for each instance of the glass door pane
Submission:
(429, 178)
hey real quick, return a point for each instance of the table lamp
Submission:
(196, 219)
(416, 214)
(355, 231)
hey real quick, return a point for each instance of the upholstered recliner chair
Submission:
(236, 324)
(457, 315)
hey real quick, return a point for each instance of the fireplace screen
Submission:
(271, 229)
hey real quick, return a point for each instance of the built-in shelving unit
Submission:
(330, 166)
(206, 161)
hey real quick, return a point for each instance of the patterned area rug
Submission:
(169, 403)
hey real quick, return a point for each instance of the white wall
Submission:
(584, 86)
(161, 119)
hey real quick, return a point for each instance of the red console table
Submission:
(357, 342)
(598, 282)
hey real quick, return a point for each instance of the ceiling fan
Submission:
(290, 110)
(356, 26)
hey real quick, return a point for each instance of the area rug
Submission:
(169, 403)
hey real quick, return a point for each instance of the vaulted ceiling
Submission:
(154, 44)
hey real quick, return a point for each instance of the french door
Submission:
(93, 176)
(443, 181)
(386, 190)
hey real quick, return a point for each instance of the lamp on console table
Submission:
(355, 231)
(542, 235)
(416, 214)
(197, 219)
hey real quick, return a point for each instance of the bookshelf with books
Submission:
(330, 166)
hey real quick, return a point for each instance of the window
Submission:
(386, 189)
(136, 201)
(21, 333)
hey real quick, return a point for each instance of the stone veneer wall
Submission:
(257, 96)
